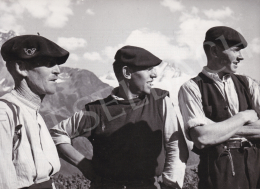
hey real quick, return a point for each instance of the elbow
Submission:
(201, 142)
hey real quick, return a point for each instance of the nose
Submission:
(240, 57)
(56, 69)
(153, 73)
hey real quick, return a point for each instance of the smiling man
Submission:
(135, 132)
(220, 111)
(28, 155)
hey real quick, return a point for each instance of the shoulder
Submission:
(190, 85)
(6, 116)
(98, 102)
(160, 92)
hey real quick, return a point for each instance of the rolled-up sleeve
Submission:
(255, 94)
(80, 124)
(190, 103)
(176, 148)
(8, 178)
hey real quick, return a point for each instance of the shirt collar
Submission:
(213, 75)
(114, 92)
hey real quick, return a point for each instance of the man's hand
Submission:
(250, 116)
(256, 123)
(74, 157)
(85, 166)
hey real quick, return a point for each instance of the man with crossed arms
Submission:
(219, 109)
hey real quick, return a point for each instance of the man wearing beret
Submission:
(28, 156)
(220, 111)
(135, 132)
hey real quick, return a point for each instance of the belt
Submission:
(240, 144)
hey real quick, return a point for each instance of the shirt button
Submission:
(225, 147)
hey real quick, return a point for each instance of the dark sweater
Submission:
(128, 141)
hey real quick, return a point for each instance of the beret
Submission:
(224, 36)
(136, 56)
(26, 47)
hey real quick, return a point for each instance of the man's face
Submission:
(42, 76)
(230, 59)
(141, 80)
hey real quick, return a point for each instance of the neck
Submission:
(23, 90)
(125, 93)
(216, 68)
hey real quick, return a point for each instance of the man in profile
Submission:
(220, 111)
(135, 132)
(28, 157)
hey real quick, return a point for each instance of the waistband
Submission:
(241, 144)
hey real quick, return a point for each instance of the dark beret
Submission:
(27, 47)
(136, 56)
(224, 36)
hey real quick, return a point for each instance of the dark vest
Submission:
(214, 105)
(128, 142)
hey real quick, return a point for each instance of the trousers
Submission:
(237, 168)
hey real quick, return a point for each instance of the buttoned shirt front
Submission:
(35, 157)
(190, 100)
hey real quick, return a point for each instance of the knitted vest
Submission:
(128, 142)
(214, 105)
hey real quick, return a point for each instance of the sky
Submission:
(93, 30)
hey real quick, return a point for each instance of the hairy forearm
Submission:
(216, 133)
(70, 154)
(249, 132)
(74, 157)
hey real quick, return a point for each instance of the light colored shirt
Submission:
(35, 157)
(176, 147)
(190, 100)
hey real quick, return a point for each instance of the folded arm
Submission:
(216, 133)
(202, 131)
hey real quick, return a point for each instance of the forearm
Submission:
(70, 154)
(74, 157)
(249, 132)
(216, 133)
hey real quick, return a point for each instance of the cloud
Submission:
(72, 43)
(9, 22)
(54, 13)
(92, 56)
(255, 45)
(73, 57)
(218, 14)
(90, 12)
(173, 5)
(184, 48)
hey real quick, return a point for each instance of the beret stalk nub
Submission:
(26, 47)
(225, 37)
(136, 56)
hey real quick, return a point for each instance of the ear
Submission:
(126, 72)
(214, 51)
(21, 68)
